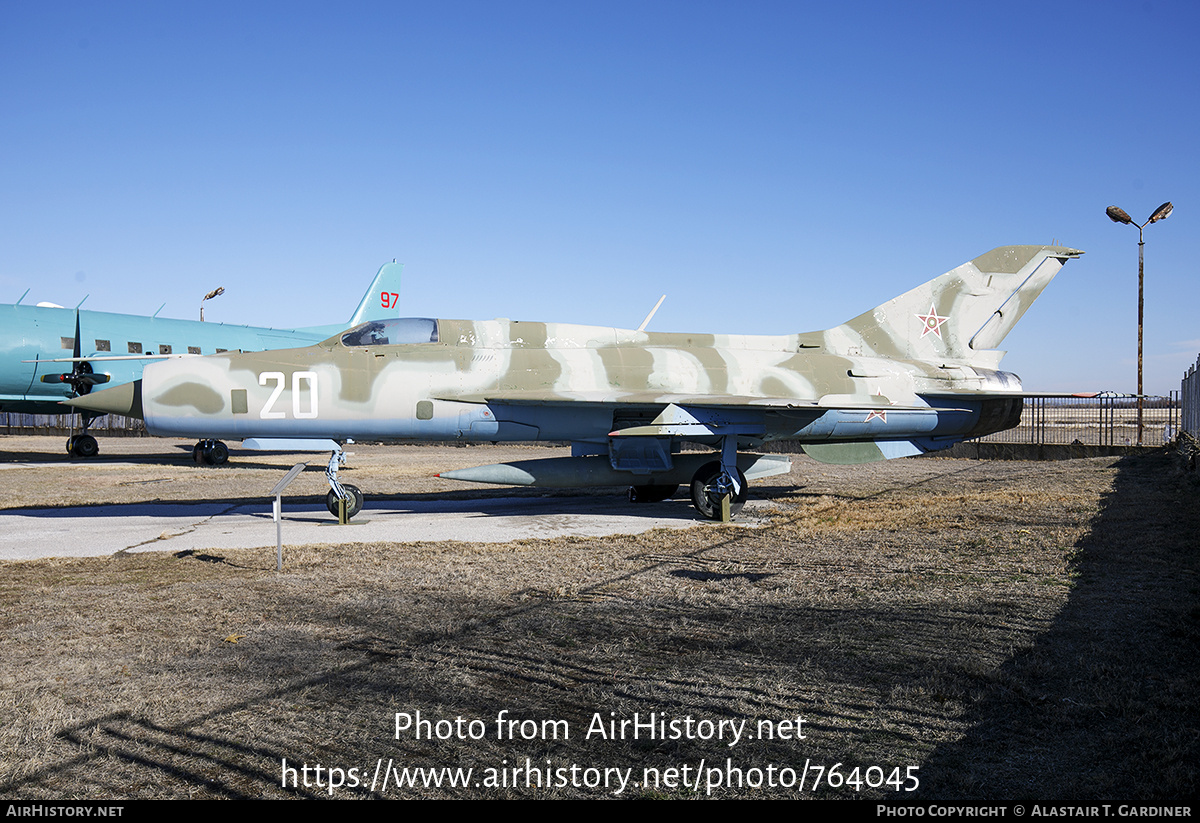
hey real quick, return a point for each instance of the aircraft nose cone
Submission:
(124, 399)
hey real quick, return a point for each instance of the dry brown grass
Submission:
(1015, 630)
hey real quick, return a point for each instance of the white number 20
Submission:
(298, 380)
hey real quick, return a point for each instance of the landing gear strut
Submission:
(339, 492)
(210, 453)
(719, 489)
(710, 484)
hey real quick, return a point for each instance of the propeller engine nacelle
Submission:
(80, 379)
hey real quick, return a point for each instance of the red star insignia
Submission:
(881, 415)
(932, 322)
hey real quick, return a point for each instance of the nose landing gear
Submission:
(340, 493)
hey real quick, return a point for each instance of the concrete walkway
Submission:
(92, 531)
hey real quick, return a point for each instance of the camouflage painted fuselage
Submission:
(913, 374)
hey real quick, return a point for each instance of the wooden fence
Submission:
(112, 425)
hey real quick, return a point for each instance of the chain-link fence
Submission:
(1104, 419)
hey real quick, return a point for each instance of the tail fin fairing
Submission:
(963, 315)
(382, 297)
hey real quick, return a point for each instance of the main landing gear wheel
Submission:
(707, 491)
(353, 505)
(210, 453)
(651, 494)
(83, 445)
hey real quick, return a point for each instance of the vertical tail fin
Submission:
(380, 301)
(962, 315)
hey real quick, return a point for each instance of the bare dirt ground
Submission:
(991, 630)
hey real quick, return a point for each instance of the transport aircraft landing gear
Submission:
(82, 445)
(210, 453)
(339, 492)
(651, 494)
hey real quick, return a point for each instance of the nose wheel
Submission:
(354, 500)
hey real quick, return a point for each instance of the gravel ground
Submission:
(986, 630)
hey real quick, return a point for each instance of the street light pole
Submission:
(1118, 215)
(217, 292)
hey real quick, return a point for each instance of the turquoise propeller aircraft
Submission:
(49, 354)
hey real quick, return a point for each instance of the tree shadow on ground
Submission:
(1105, 705)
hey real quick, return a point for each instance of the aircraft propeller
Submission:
(81, 377)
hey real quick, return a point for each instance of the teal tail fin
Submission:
(382, 297)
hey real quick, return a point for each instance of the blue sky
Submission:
(772, 167)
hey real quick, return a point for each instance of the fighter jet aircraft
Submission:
(52, 353)
(915, 374)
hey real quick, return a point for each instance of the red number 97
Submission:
(388, 299)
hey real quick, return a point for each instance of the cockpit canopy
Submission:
(393, 332)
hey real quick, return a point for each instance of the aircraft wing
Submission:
(99, 357)
(529, 397)
(994, 393)
(607, 398)
(693, 416)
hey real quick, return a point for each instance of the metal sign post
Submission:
(277, 510)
